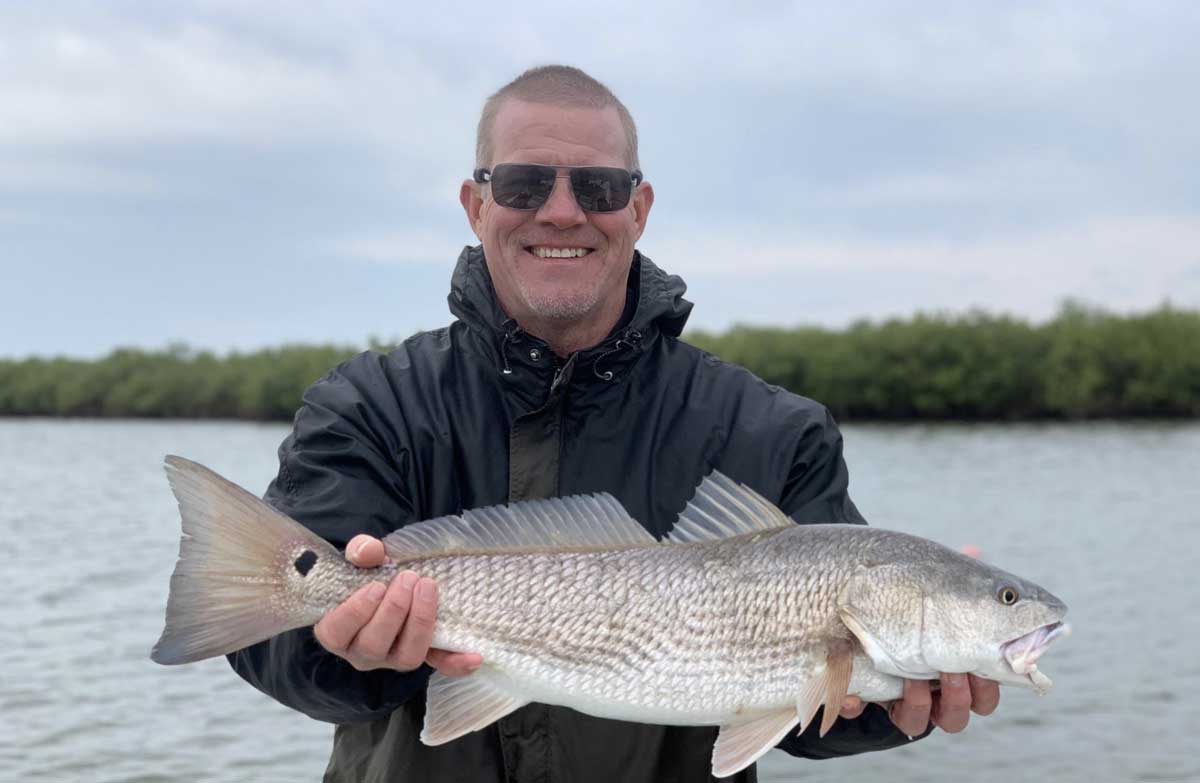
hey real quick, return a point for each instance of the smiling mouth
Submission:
(1023, 652)
(543, 251)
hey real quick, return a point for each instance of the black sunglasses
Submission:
(527, 186)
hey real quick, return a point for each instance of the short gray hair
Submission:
(557, 85)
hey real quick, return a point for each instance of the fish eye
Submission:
(1008, 595)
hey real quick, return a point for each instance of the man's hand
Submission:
(949, 708)
(388, 626)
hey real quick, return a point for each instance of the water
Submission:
(1104, 515)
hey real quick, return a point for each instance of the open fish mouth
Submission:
(1023, 652)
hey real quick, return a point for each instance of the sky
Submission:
(238, 175)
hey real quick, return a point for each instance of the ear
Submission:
(642, 200)
(471, 199)
(883, 607)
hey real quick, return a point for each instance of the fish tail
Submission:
(230, 588)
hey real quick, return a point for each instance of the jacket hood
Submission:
(660, 307)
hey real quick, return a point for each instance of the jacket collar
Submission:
(656, 308)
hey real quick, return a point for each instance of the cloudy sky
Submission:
(235, 175)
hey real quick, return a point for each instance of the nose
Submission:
(561, 210)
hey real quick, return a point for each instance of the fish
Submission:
(740, 618)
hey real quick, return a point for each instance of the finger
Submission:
(375, 639)
(952, 710)
(985, 695)
(337, 629)
(365, 551)
(852, 707)
(911, 713)
(413, 645)
(453, 664)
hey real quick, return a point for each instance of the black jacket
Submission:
(479, 413)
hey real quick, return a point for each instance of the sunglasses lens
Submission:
(522, 186)
(527, 186)
(600, 188)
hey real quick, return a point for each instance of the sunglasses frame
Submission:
(483, 176)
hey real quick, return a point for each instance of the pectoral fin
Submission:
(810, 699)
(828, 689)
(839, 665)
(459, 705)
(740, 745)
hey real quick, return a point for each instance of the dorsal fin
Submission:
(581, 522)
(723, 508)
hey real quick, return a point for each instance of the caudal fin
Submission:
(230, 586)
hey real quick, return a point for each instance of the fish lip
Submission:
(1021, 654)
(1040, 636)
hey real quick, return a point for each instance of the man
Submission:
(562, 374)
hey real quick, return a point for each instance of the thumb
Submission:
(852, 707)
(365, 551)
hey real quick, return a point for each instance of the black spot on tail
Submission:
(305, 562)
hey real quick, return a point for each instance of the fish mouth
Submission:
(1023, 652)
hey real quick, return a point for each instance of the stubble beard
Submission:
(569, 303)
(561, 306)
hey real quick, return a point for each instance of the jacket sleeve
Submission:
(817, 491)
(342, 471)
(873, 730)
(817, 485)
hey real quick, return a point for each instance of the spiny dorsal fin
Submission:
(583, 522)
(723, 508)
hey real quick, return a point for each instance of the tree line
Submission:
(1084, 363)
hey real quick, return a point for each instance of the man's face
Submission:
(533, 288)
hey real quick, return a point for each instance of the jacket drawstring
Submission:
(510, 335)
(630, 338)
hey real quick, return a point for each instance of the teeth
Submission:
(560, 252)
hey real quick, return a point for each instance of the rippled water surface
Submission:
(1104, 515)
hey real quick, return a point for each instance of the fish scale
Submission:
(672, 634)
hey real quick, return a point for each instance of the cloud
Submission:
(1032, 176)
(213, 69)
(811, 162)
(54, 175)
(79, 84)
(419, 246)
(1125, 264)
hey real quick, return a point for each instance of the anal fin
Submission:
(740, 745)
(459, 705)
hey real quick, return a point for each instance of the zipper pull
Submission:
(563, 374)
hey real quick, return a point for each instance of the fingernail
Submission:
(376, 590)
(848, 704)
(358, 549)
(426, 589)
(408, 580)
(954, 680)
